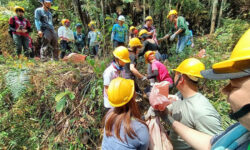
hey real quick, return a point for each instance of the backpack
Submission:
(14, 23)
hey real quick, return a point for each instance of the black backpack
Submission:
(14, 23)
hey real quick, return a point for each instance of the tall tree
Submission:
(214, 14)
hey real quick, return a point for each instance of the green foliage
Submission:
(62, 98)
(17, 81)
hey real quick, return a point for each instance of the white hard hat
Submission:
(121, 18)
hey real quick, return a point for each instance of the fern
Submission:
(17, 81)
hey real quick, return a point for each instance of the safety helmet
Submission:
(148, 18)
(143, 31)
(120, 91)
(135, 42)
(147, 54)
(91, 23)
(131, 28)
(64, 21)
(191, 67)
(122, 54)
(121, 18)
(78, 25)
(18, 8)
(237, 66)
(172, 12)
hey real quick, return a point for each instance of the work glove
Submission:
(172, 37)
(144, 78)
(165, 116)
(192, 45)
(150, 113)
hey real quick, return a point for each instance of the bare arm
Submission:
(196, 139)
(135, 71)
(106, 88)
(178, 31)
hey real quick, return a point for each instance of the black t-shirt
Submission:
(133, 60)
(148, 46)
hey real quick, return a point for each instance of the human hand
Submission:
(24, 30)
(144, 78)
(40, 34)
(150, 113)
(192, 45)
(18, 30)
(172, 37)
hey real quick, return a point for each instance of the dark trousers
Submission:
(21, 42)
(49, 44)
(94, 50)
(65, 48)
(116, 44)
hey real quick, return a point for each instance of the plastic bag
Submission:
(158, 97)
(158, 138)
(75, 58)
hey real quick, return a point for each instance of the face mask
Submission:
(240, 113)
(120, 68)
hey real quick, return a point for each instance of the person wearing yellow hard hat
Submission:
(19, 29)
(124, 128)
(46, 31)
(94, 39)
(150, 28)
(66, 36)
(114, 70)
(179, 28)
(237, 70)
(119, 35)
(130, 69)
(133, 32)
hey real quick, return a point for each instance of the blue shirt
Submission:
(141, 142)
(79, 38)
(43, 19)
(120, 32)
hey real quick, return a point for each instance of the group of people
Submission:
(194, 122)
(20, 27)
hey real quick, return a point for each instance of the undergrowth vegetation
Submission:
(59, 105)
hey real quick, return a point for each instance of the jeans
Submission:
(49, 45)
(116, 44)
(21, 42)
(94, 50)
(65, 48)
(182, 42)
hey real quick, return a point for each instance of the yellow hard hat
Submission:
(143, 31)
(122, 54)
(237, 66)
(91, 23)
(64, 20)
(131, 28)
(120, 91)
(172, 12)
(147, 54)
(191, 67)
(148, 18)
(18, 8)
(135, 42)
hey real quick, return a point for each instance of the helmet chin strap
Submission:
(240, 113)
(118, 66)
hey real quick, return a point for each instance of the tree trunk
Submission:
(222, 5)
(103, 29)
(214, 14)
(144, 10)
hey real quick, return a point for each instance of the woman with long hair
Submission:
(124, 130)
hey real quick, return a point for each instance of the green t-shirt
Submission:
(197, 113)
(181, 24)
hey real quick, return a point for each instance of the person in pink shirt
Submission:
(159, 70)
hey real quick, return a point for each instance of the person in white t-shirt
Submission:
(114, 70)
(66, 37)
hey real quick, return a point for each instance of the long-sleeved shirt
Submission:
(66, 33)
(18, 23)
(181, 24)
(43, 19)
